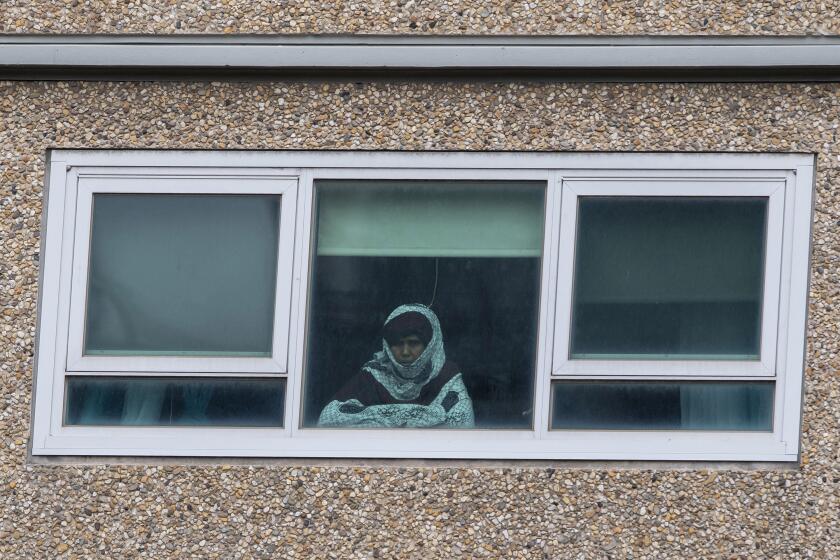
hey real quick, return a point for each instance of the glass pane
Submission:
(668, 277)
(467, 360)
(182, 275)
(144, 401)
(667, 405)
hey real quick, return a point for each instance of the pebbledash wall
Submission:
(642, 17)
(252, 509)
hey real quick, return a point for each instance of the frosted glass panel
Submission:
(182, 275)
(427, 218)
(133, 401)
(668, 277)
(635, 405)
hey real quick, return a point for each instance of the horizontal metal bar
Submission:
(578, 164)
(365, 52)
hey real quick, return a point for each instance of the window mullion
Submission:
(304, 250)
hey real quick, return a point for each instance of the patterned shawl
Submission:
(405, 382)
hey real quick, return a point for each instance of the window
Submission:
(472, 305)
(468, 250)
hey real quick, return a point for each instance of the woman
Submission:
(409, 384)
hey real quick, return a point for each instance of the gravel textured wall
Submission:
(276, 510)
(753, 17)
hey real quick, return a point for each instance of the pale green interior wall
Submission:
(387, 218)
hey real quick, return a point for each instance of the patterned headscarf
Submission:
(405, 382)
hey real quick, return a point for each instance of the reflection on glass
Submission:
(182, 275)
(666, 405)
(668, 277)
(208, 401)
(379, 356)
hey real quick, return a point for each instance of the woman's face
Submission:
(408, 349)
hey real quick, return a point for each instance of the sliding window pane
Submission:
(668, 278)
(136, 401)
(174, 275)
(647, 405)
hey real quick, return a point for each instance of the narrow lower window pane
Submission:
(648, 405)
(207, 401)
(424, 303)
(182, 275)
(668, 277)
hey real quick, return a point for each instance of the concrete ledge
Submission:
(58, 461)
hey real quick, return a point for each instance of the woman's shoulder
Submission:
(447, 373)
(362, 387)
(449, 370)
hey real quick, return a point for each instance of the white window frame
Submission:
(88, 181)
(662, 185)
(74, 175)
